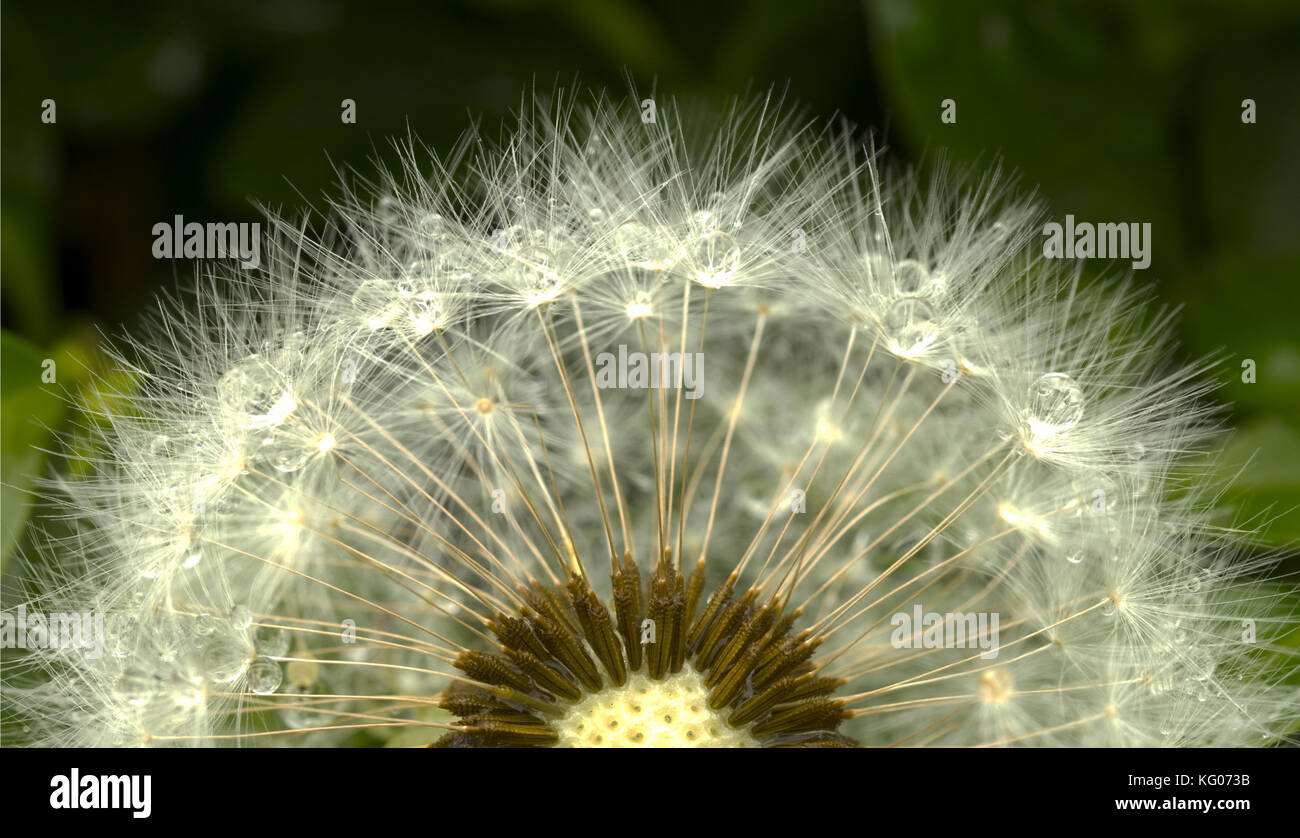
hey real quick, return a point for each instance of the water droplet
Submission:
(264, 676)
(424, 312)
(192, 551)
(241, 618)
(271, 640)
(163, 447)
(255, 394)
(223, 660)
(1056, 403)
(1074, 556)
(290, 456)
(152, 565)
(125, 630)
(640, 247)
(911, 327)
(286, 451)
(506, 241)
(716, 259)
(454, 263)
(431, 224)
(170, 636)
(415, 277)
(377, 303)
(911, 278)
(535, 270)
(205, 624)
(1139, 457)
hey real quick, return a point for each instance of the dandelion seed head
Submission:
(412, 479)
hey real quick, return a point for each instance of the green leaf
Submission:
(1261, 464)
(28, 409)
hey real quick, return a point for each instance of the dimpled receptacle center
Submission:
(644, 713)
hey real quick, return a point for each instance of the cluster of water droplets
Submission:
(256, 392)
(909, 295)
(271, 406)
(408, 294)
(912, 327)
(912, 278)
(641, 247)
(533, 268)
(411, 305)
(712, 252)
(170, 672)
(534, 253)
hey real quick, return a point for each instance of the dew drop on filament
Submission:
(535, 269)
(431, 225)
(424, 313)
(271, 640)
(192, 552)
(717, 258)
(1056, 403)
(240, 617)
(910, 326)
(224, 661)
(377, 303)
(163, 447)
(255, 394)
(639, 247)
(453, 263)
(264, 676)
(911, 277)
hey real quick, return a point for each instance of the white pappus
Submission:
(368, 491)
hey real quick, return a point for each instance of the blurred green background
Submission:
(1116, 110)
